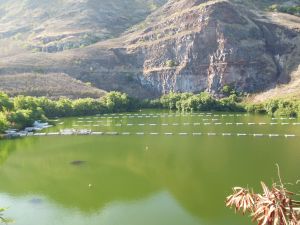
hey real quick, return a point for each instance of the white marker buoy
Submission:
(273, 135)
(289, 135)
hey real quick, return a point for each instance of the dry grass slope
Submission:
(53, 85)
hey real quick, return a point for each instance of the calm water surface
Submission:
(149, 177)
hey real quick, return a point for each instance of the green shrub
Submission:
(5, 103)
(23, 117)
(169, 101)
(256, 108)
(3, 122)
(116, 101)
(170, 63)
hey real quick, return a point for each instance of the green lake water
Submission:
(146, 177)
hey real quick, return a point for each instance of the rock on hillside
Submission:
(184, 46)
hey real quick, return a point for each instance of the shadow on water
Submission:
(78, 162)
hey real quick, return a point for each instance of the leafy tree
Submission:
(3, 122)
(255, 108)
(5, 103)
(87, 106)
(21, 118)
(48, 106)
(25, 102)
(64, 107)
(287, 108)
(116, 101)
(271, 106)
(170, 100)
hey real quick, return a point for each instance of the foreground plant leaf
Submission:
(274, 206)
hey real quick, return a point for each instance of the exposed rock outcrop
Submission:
(185, 46)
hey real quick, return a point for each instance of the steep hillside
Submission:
(51, 85)
(186, 46)
(57, 25)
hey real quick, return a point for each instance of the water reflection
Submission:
(136, 180)
(159, 208)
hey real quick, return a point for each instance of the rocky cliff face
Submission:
(212, 43)
(185, 46)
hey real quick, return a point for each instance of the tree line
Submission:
(22, 111)
(231, 102)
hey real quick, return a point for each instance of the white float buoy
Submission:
(273, 135)
(96, 133)
(111, 133)
(289, 135)
(53, 133)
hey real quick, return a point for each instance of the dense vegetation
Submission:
(204, 101)
(232, 102)
(22, 111)
(276, 107)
